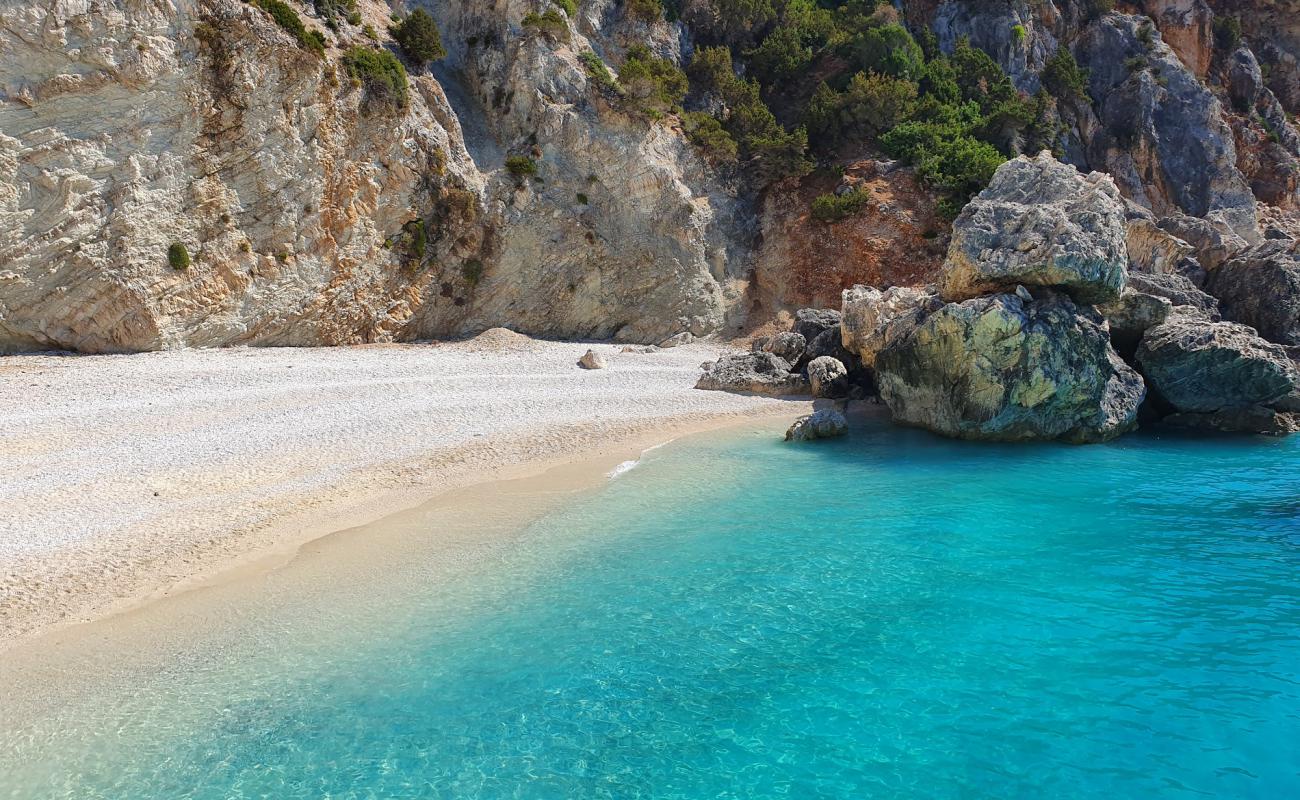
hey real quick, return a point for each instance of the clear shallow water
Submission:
(893, 615)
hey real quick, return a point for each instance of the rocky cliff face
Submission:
(312, 213)
(312, 217)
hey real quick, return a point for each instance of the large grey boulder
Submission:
(825, 423)
(1040, 223)
(812, 322)
(828, 377)
(1179, 291)
(1002, 368)
(1212, 243)
(787, 345)
(1201, 367)
(1261, 288)
(870, 318)
(758, 373)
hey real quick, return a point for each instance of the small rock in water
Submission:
(823, 424)
(592, 360)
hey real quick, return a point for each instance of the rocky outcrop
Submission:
(989, 26)
(897, 237)
(1261, 288)
(1187, 26)
(828, 377)
(824, 423)
(872, 319)
(1160, 133)
(1005, 369)
(1205, 367)
(1040, 223)
(757, 372)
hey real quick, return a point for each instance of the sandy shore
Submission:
(133, 477)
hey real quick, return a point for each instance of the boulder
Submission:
(1000, 368)
(789, 346)
(870, 318)
(1261, 288)
(1212, 244)
(821, 424)
(812, 322)
(678, 339)
(1201, 367)
(1152, 249)
(1179, 291)
(759, 373)
(1131, 316)
(1040, 223)
(828, 377)
(592, 360)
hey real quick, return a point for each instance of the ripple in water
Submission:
(893, 615)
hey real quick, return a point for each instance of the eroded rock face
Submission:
(758, 372)
(1187, 26)
(987, 25)
(1261, 288)
(1162, 134)
(1202, 367)
(1179, 291)
(312, 216)
(1003, 369)
(1040, 223)
(871, 319)
(1131, 316)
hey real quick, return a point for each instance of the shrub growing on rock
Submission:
(381, 75)
(644, 10)
(706, 133)
(178, 256)
(598, 72)
(652, 85)
(835, 207)
(551, 23)
(521, 166)
(289, 20)
(419, 38)
(570, 6)
(1063, 77)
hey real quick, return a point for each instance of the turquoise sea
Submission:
(893, 615)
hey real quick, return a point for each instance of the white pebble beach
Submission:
(128, 475)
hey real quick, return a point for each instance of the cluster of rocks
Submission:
(1038, 330)
(1063, 312)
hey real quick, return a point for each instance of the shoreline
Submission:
(106, 577)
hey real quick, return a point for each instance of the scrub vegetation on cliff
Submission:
(848, 73)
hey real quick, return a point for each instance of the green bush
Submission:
(644, 10)
(833, 208)
(651, 85)
(1063, 77)
(570, 6)
(1098, 8)
(289, 20)
(521, 166)
(889, 50)
(599, 73)
(706, 133)
(419, 38)
(178, 256)
(1227, 33)
(472, 271)
(381, 75)
(551, 23)
(1018, 33)
(583, 199)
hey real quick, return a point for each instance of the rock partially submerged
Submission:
(824, 423)
(1040, 223)
(1000, 368)
(1207, 367)
(758, 373)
